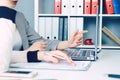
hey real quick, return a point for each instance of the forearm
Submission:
(62, 45)
(19, 56)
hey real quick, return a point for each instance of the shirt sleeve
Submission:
(7, 28)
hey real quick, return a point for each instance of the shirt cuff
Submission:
(32, 56)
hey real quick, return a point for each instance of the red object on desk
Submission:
(88, 42)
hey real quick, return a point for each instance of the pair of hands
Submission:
(75, 40)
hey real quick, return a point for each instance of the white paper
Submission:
(80, 65)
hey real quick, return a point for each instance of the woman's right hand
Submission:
(43, 55)
(39, 45)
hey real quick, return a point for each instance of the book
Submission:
(63, 65)
(111, 35)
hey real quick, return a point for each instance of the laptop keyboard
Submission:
(82, 55)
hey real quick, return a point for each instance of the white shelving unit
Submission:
(45, 8)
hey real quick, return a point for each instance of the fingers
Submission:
(83, 32)
(63, 55)
(54, 56)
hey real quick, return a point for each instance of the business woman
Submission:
(20, 43)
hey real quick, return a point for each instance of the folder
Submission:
(48, 27)
(57, 6)
(65, 29)
(116, 5)
(80, 24)
(65, 6)
(79, 6)
(94, 7)
(109, 7)
(87, 6)
(72, 26)
(55, 28)
(41, 29)
(73, 7)
(61, 29)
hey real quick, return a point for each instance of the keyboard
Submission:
(82, 55)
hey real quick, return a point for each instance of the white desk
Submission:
(108, 62)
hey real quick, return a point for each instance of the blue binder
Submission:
(116, 4)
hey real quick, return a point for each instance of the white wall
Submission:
(27, 8)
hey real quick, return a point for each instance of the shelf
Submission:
(111, 21)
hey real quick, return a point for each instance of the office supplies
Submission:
(65, 7)
(65, 29)
(88, 42)
(79, 6)
(61, 29)
(55, 28)
(48, 27)
(57, 6)
(41, 26)
(116, 4)
(109, 6)
(72, 27)
(94, 6)
(63, 65)
(73, 7)
(80, 23)
(18, 73)
(114, 75)
(87, 6)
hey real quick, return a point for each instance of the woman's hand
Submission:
(49, 56)
(39, 45)
(76, 38)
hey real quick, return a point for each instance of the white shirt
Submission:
(9, 40)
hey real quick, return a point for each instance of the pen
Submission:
(54, 55)
(114, 75)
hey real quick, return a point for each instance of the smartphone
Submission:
(16, 73)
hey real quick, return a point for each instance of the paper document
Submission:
(80, 65)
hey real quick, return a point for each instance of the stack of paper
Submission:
(80, 65)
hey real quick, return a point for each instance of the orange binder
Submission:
(94, 6)
(57, 6)
(87, 6)
(109, 7)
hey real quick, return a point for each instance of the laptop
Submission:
(86, 54)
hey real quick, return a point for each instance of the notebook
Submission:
(63, 65)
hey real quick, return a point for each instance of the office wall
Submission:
(27, 7)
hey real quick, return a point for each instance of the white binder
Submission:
(48, 27)
(41, 28)
(79, 23)
(73, 7)
(79, 6)
(65, 6)
(72, 27)
(55, 27)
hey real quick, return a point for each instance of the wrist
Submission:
(32, 56)
(40, 55)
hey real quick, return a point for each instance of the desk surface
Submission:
(108, 62)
